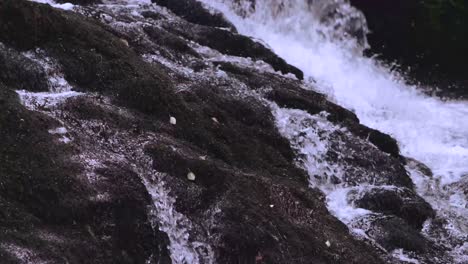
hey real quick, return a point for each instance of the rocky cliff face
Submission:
(156, 134)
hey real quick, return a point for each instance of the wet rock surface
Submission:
(403, 203)
(233, 44)
(50, 214)
(91, 56)
(194, 12)
(104, 173)
(21, 71)
(392, 233)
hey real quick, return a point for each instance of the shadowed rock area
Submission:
(47, 211)
(171, 152)
(194, 11)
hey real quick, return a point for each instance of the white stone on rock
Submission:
(191, 176)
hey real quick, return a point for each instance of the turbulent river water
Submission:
(325, 40)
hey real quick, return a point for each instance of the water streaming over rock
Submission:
(98, 154)
(325, 39)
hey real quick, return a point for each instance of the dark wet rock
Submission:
(431, 41)
(384, 142)
(195, 12)
(131, 239)
(233, 44)
(28, 171)
(289, 94)
(393, 233)
(463, 185)
(242, 123)
(20, 72)
(91, 56)
(400, 202)
(250, 210)
(289, 213)
(381, 140)
(436, 229)
(47, 211)
(419, 166)
(166, 39)
(361, 160)
(152, 15)
(365, 164)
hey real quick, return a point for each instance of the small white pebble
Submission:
(106, 18)
(59, 130)
(215, 120)
(173, 120)
(125, 42)
(328, 243)
(191, 176)
(272, 205)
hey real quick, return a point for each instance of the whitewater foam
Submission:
(59, 89)
(424, 126)
(64, 6)
(428, 129)
(310, 137)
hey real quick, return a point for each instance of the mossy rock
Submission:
(34, 171)
(92, 57)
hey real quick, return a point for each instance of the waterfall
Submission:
(325, 39)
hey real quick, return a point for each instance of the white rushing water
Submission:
(325, 40)
(59, 88)
(65, 6)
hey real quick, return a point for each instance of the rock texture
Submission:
(196, 12)
(101, 176)
(48, 213)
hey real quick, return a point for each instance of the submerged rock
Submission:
(400, 202)
(393, 233)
